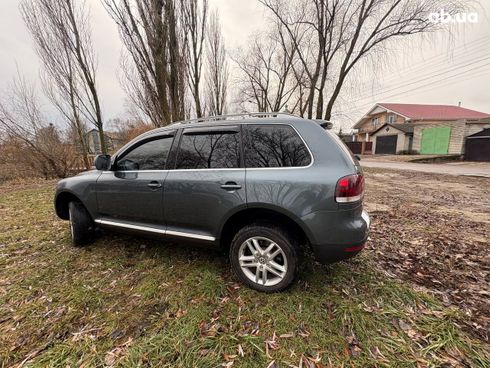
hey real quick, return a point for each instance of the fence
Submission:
(79, 165)
(360, 148)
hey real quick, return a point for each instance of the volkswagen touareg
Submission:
(261, 186)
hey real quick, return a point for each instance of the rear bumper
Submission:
(334, 253)
(338, 235)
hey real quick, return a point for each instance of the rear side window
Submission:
(151, 155)
(274, 146)
(209, 151)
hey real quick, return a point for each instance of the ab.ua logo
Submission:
(444, 17)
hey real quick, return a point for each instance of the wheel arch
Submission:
(61, 203)
(264, 214)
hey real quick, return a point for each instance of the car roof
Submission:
(236, 119)
(265, 118)
(227, 120)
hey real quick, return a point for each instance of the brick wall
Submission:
(456, 141)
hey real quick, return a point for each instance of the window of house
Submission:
(375, 122)
(391, 119)
(274, 146)
(209, 151)
(151, 155)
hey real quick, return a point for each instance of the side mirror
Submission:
(102, 162)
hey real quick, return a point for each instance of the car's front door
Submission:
(207, 183)
(133, 190)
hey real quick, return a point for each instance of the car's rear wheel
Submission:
(264, 257)
(81, 224)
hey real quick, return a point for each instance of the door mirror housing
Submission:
(102, 162)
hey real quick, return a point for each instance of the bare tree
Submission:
(217, 64)
(332, 37)
(60, 78)
(38, 143)
(61, 31)
(195, 14)
(154, 67)
(267, 80)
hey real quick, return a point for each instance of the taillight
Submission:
(349, 189)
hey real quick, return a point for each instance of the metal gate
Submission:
(386, 144)
(477, 147)
(435, 141)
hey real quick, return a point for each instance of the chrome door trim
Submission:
(130, 226)
(189, 235)
(155, 230)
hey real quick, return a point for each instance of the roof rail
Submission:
(325, 124)
(237, 117)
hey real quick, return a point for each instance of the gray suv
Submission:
(261, 186)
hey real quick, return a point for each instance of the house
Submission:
(93, 141)
(424, 129)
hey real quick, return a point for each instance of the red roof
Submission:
(434, 112)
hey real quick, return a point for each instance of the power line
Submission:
(434, 62)
(419, 88)
(425, 77)
(455, 62)
(468, 77)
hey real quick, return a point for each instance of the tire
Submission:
(81, 224)
(279, 265)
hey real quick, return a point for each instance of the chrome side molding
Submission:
(154, 230)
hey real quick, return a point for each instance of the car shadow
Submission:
(312, 276)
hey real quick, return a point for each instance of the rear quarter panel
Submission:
(302, 190)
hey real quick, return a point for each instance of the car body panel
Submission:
(82, 186)
(195, 201)
(125, 195)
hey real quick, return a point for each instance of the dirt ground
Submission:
(434, 231)
(395, 158)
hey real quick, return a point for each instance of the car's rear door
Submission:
(132, 192)
(207, 182)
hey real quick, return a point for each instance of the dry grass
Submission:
(127, 301)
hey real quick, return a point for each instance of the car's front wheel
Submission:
(81, 224)
(264, 257)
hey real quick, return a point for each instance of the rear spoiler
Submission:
(325, 124)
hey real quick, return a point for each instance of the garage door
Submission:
(386, 144)
(477, 149)
(435, 141)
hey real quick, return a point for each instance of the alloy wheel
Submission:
(262, 261)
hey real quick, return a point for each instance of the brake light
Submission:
(350, 189)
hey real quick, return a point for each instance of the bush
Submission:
(46, 156)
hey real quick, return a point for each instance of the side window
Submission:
(209, 151)
(151, 155)
(274, 146)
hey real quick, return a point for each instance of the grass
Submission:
(127, 301)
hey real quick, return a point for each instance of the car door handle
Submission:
(154, 184)
(231, 185)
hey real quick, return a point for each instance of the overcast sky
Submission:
(438, 70)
